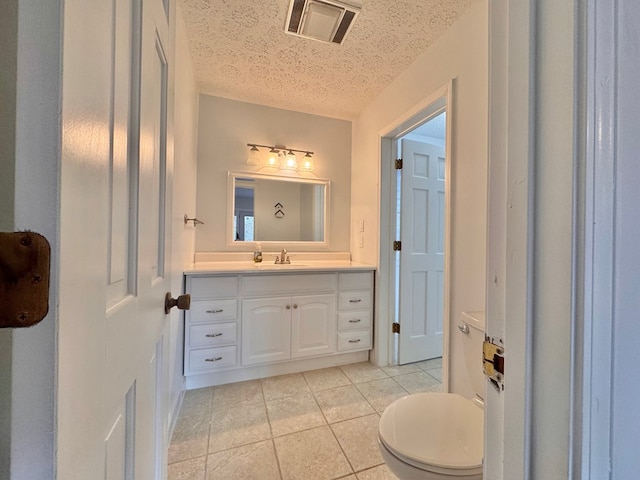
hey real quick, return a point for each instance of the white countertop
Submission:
(200, 268)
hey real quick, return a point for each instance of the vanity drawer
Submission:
(356, 340)
(355, 281)
(213, 311)
(213, 334)
(212, 287)
(354, 300)
(212, 358)
(354, 320)
(256, 285)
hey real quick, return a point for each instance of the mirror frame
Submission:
(231, 187)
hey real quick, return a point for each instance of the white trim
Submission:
(272, 369)
(384, 340)
(230, 243)
(593, 417)
(510, 233)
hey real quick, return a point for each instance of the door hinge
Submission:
(395, 327)
(397, 245)
(25, 268)
(493, 362)
(399, 164)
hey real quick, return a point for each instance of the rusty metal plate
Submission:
(24, 278)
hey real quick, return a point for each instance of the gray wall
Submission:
(225, 128)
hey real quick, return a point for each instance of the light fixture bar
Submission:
(280, 147)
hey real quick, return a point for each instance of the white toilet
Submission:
(439, 436)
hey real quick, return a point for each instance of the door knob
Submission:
(183, 302)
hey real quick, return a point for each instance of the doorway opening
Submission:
(419, 263)
(415, 268)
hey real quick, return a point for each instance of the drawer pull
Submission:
(356, 300)
(215, 359)
(355, 320)
(213, 335)
(215, 311)
(357, 340)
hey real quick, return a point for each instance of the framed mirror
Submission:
(277, 209)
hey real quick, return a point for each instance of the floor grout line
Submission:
(314, 394)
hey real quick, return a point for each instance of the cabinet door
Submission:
(313, 325)
(266, 330)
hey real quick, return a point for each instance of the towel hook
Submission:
(195, 221)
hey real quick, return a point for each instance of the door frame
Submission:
(384, 343)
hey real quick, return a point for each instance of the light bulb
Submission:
(272, 159)
(291, 163)
(307, 162)
(254, 156)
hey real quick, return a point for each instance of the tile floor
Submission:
(316, 425)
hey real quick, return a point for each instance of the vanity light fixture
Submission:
(254, 156)
(290, 162)
(273, 159)
(307, 163)
(280, 157)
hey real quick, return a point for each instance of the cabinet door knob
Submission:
(295, 305)
(288, 307)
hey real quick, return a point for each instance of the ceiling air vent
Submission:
(324, 20)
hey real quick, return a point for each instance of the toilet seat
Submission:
(437, 432)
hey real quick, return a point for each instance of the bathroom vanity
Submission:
(256, 320)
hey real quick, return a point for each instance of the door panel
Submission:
(115, 245)
(313, 325)
(266, 330)
(422, 254)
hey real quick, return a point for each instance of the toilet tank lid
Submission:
(474, 319)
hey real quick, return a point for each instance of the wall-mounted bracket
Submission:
(24, 278)
(195, 221)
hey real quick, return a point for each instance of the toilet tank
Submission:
(472, 345)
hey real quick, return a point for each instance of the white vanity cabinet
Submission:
(211, 327)
(252, 325)
(288, 327)
(355, 314)
(266, 331)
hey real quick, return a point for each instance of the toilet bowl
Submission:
(433, 436)
(439, 436)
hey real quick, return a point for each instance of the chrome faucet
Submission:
(283, 258)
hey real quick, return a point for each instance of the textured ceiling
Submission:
(240, 51)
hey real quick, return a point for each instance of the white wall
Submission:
(225, 128)
(184, 200)
(460, 54)
(31, 30)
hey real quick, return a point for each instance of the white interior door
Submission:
(422, 255)
(115, 241)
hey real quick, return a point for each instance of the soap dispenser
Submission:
(257, 253)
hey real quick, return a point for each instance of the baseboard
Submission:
(263, 371)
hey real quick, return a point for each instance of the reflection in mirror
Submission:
(277, 209)
(243, 218)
